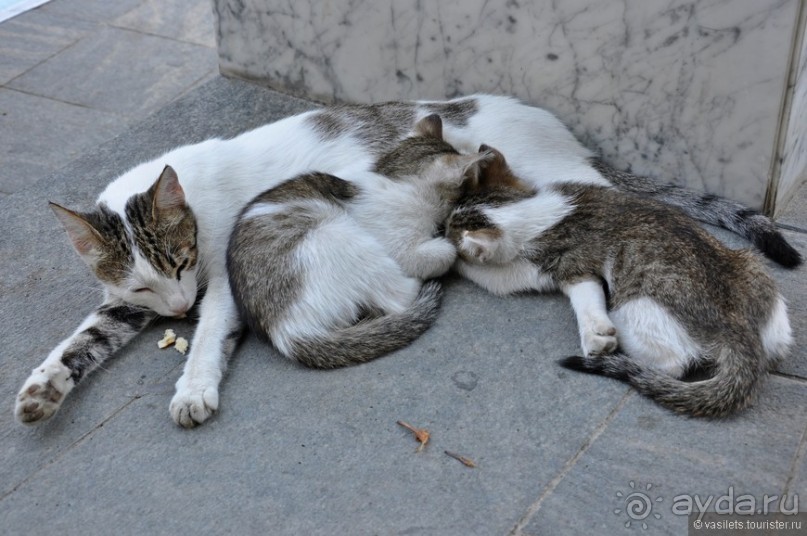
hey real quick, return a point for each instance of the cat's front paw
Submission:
(599, 338)
(193, 405)
(475, 246)
(42, 394)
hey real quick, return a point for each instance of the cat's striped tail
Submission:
(731, 389)
(372, 338)
(711, 209)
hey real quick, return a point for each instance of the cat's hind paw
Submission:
(38, 399)
(194, 405)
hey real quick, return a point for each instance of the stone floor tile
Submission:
(675, 456)
(183, 20)
(31, 38)
(92, 10)
(41, 135)
(97, 72)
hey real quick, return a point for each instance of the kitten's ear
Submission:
(494, 157)
(496, 172)
(473, 166)
(430, 126)
(168, 193)
(494, 168)
(86, 240)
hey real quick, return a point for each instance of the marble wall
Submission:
(794, 146)
(677, 89)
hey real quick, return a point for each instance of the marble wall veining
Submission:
(677, 89)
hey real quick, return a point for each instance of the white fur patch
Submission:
(166, 296)
(263, 209)
(517, 276)
(777, 335)
(537, 145)
(526, 219)
(331, 291)
(650, 335)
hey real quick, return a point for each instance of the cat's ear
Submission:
(430, 126)
(493, 169)
(494, 157)
(472, 166)
(168, 193)
(485, 148)
(86, 240)
(497, 173)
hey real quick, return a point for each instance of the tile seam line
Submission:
(31, 68)
(44, 10)
(70, 447)
(77, 41)
(798, 457)
(69, 103)
(156, 36)
(787, 376)
(569, 465)
(152, 34)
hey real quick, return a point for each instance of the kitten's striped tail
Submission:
(371, 338)
(731, 389)
(711, 209)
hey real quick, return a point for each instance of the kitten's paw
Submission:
(479, 246)
(41, 395)
(193, 405)
(599, 339)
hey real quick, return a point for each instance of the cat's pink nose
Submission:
(179, 307)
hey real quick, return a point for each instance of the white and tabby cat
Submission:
(146, 267)
(330, 271)
(676, 297)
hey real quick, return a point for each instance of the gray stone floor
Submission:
(74, 73)
(295, 451)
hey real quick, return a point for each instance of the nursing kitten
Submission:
(330, 271)
(676, 297)
(218, 177)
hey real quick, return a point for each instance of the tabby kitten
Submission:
(676, 297)
(330, 271)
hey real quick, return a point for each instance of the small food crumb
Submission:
(181, 345)
(169, 337)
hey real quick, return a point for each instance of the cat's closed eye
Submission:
(142, 289)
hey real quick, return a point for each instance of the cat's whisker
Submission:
(103, 368)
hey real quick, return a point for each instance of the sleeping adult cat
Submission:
(152, 244)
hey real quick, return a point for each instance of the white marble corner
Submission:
(677, 89)
(794, 149)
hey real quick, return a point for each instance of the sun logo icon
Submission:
(637, 505)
